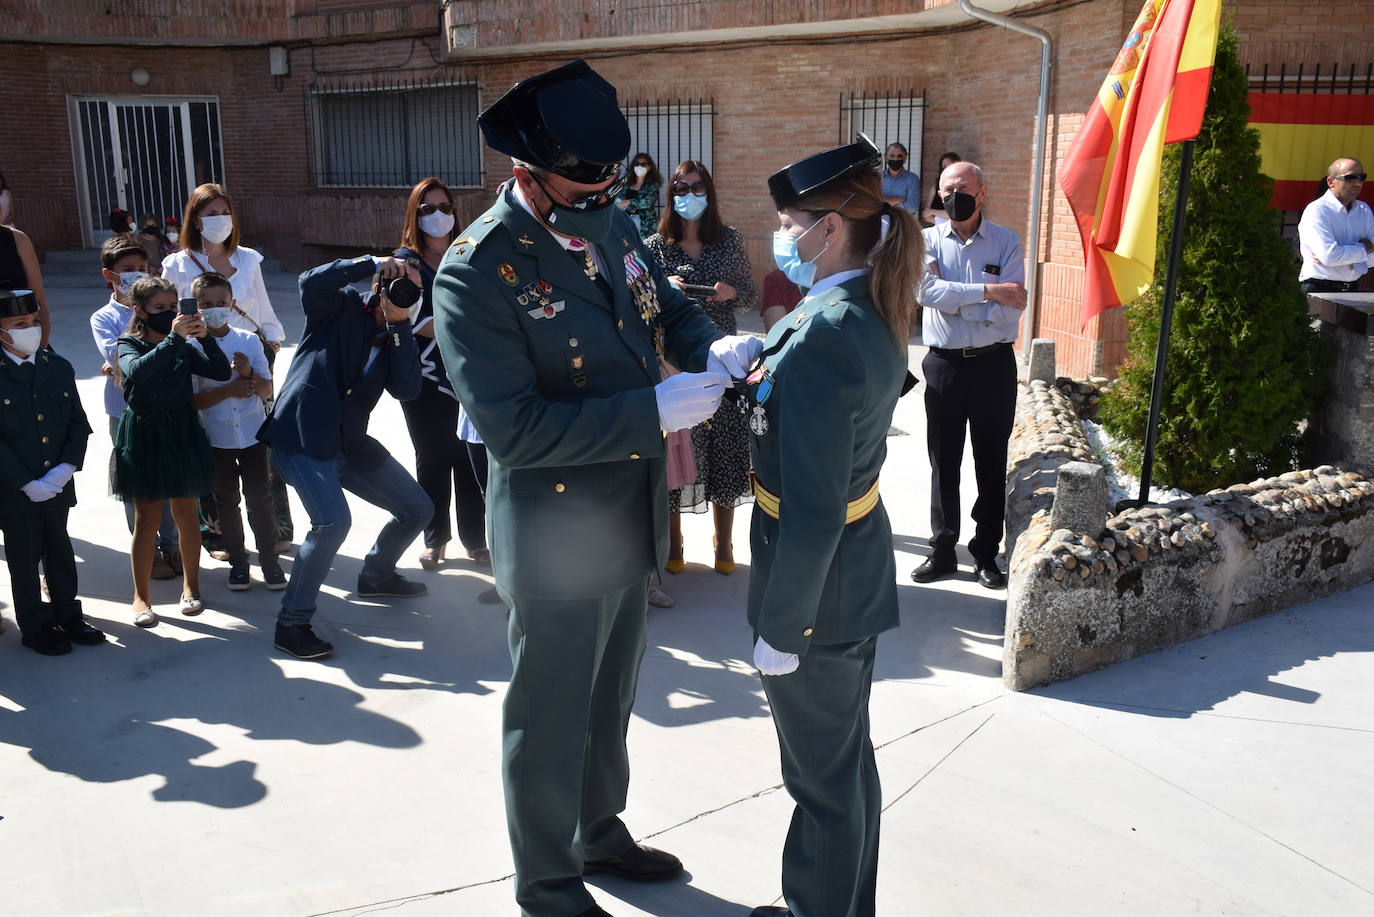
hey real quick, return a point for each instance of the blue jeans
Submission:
(320, 483)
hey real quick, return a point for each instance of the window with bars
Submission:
(394, 136)
(886, 118)
(671, 132)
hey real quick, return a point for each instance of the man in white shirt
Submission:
(1336, 232)
(232, 413)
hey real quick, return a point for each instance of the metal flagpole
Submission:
(1166, 319)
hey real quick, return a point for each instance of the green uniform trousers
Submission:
(564, 763)
(830, 860)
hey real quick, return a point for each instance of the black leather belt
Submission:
(966, 352)
(1320, 285)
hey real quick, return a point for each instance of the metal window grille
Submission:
(1317, 80)
(393, 136)
(671, 132)
(886, 119)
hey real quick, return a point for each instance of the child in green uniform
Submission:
(160, 449)
(43, 435)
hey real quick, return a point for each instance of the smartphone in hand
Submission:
(187, 306)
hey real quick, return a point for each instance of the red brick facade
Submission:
(775, 100)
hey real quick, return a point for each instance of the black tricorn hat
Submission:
(14, 303)
(566, 120)
(791, 184)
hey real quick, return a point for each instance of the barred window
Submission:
(886, 119)
(671, 132)
(394, 136)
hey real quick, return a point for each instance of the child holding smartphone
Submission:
(160, 449)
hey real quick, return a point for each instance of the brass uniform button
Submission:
(643, 361)
(572, 342)
(634, 455)
(488, 219)
(46, 463)
(40, 417)
(7, 401)
(620, 324)
(559, 488)
(807, 632)
(44, 440)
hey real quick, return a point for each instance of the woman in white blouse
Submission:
(209, 241)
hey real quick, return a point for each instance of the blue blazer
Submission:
(329, 392)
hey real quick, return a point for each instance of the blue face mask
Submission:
(690, 206)
(802, 273)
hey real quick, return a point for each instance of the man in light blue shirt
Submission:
(901, 186)
(973, 296)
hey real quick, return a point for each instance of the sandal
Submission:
(431, 558)
(723, 567)
(191, 605)
(146, 618)
(480, 556)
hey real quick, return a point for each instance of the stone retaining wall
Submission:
(1156, 576)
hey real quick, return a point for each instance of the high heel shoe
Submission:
(431, 558)
(723, 567)
(675, 565)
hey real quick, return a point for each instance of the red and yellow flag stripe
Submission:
(1303, 133)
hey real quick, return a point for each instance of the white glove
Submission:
(733, 355)
(38, 492)
(686, 399)
(771, 662)
(59, 476)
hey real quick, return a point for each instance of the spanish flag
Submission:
(1154, 94)
(1301, 133)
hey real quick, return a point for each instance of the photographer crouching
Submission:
(354, 348)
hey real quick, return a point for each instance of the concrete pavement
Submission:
(192, 769)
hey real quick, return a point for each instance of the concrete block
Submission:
(1080, 498)
(1041, 363)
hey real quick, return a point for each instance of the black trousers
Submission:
(31, 540)
(977, 393)
(444, 470)
(1317, 285)
(249, 466)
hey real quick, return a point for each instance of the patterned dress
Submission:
(721, 444)
(643, 206)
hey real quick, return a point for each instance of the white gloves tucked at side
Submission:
(686, 399)
(733, 355)
(771, 662)
(50, 485)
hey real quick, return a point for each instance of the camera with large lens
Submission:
(399, 290)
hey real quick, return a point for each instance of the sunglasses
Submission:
(595, 199)
(1350, 176)
(425, 210)
(696, 187)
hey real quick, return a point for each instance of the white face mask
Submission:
(216, 317)
(25, 340)
(641, 171)
(438, 224)
(127, 279)
(173, 236)
(217, 228)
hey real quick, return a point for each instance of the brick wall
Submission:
(776, 101)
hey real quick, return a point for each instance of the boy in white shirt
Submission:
(232, 412)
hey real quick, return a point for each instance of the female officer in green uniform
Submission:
(823, 587)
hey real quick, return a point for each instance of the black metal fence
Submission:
(670, 132)
(888, 117)
(391, 136)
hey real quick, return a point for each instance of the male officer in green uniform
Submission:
(551, 316)
(43, 435)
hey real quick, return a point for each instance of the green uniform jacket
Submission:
(40, 427)
(835, 382)
(559, 383)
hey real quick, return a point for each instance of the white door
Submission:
(143, 155)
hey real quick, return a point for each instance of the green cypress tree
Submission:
(1243, 356)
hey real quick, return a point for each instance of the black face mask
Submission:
(161, 322)
(896, 165)
(960, 206)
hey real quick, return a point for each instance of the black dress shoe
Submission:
(80, 631)
(932, 569)
(989, 577)
(770, 910)
(594, 911)
(640, 864)
(49, 642)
